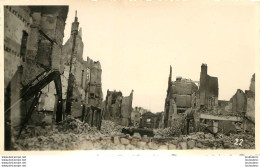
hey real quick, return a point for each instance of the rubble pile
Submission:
(74, 125)
(202, 140)
(198, 141)
(159, 133)
(72, 134)
(177, 128)
(109, 128)
(64, 136)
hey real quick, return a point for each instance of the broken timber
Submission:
(220, 118)
(29, 91)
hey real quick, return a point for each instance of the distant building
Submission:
(118, 108)
(150, 120)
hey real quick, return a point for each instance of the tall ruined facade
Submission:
(33, 37)
(118, 108)
(43, 75)
(81, 80)
(94, 94)
(181, 95)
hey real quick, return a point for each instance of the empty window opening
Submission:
(23, 45)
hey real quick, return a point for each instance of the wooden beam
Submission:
(220, 118)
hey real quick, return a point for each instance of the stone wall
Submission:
(12, 66)
(16, 23)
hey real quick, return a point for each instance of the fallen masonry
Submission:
(73, 134)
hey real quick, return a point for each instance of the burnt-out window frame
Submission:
(92, 95)
(23, 45)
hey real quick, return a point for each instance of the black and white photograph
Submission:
(130, 75)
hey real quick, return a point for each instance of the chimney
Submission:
(204, 69)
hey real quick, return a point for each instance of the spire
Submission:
(76, 18)
(170, 76)
(169, 81)
(170, 71)
(75, 25)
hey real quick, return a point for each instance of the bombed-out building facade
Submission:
(201, 106)
(81, 80)
(33, 39)
(44, 79)
(118, 108)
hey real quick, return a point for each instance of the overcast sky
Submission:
(136, 42)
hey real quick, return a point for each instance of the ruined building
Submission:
(201, 106)
(224, 116)
(243, 103)
(45, 80)
(81, 80)
(33, 37)
(151, 120)
(118, 108)
(208, 90)
(181, 95)
(112, 106)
